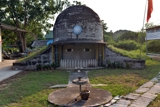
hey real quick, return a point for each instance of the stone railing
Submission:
(67, 63)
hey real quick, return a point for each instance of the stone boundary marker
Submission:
(141, 97)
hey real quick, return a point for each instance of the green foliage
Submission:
(132, 54)
(131, 44)
(149, 25)
(141, 37)
(127, 45)
(30, 15)
(9, 38)
(127, 41)
(154, 46)
(104, 25)
(107, 38)
(141, 40)
(129, 36)
(114, 65)
(77, 3)
(38, 99)
(33, 54)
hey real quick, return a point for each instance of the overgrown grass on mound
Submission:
(31, 55)
(123, 81)
(132, 54)
(127, 45)
(31, 84)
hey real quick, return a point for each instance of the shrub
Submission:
(127, 45)
(154, 46)
(129, 36)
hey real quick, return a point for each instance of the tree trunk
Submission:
(24, 45)
(22, 40)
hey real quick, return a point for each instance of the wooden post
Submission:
(53, 53)
(24, 41)
(146, 48)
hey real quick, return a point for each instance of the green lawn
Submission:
(32, 89)
(123, 81)
(32, 86)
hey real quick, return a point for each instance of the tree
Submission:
(77, 3)
(129, 35)
(104, 25)
(141, 40)
(149, 25)
(30, 15)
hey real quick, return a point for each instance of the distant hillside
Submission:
(119, 32)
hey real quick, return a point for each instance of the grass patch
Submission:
(30, 84)
(123, 81)
(38, 99)
(156, 102)
(31, 55)
(132, 54)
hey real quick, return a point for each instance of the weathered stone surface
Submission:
(141, 102)
(155, 89)
(59, 86)
(118, 105)
(43, 58)
(148, 84)
(154, 80)
(78, 15)
(39, 43)
(69, 97)
(149, 95)
(113, 56)
(131, 96)
(148, 92)
(141, 90)
(124, 102)
(137, 105)
(121, 103)
(126, 62)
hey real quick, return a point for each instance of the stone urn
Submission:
(85, 94)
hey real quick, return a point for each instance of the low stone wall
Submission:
(44, 58)
(135, 64)
(116, 60)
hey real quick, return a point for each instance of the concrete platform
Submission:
(69, 97)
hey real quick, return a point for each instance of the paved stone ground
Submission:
(141, 97)
(6, 70)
